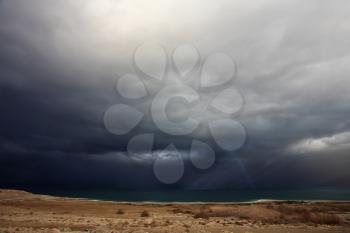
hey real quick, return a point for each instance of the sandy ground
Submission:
(25, 212)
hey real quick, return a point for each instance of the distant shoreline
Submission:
(202, 197)
(203, 203)
(181, 202)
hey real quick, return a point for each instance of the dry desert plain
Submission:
(25, 212)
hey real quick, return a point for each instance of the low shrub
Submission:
(145, 213)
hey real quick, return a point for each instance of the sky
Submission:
(60, 62)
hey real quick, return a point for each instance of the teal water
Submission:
(206, 196)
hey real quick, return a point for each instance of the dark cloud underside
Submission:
(59, 61)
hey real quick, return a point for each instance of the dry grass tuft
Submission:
(145, 213)
(273, 214)
(120, 211)
(206, 212)
(181, 211)
(307, 215)
(321, 218)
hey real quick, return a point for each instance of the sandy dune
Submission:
(25, 212)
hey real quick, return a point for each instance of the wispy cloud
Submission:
(311, 145)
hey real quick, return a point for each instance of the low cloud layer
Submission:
(314, 145)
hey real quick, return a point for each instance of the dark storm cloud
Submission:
(59, 61)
